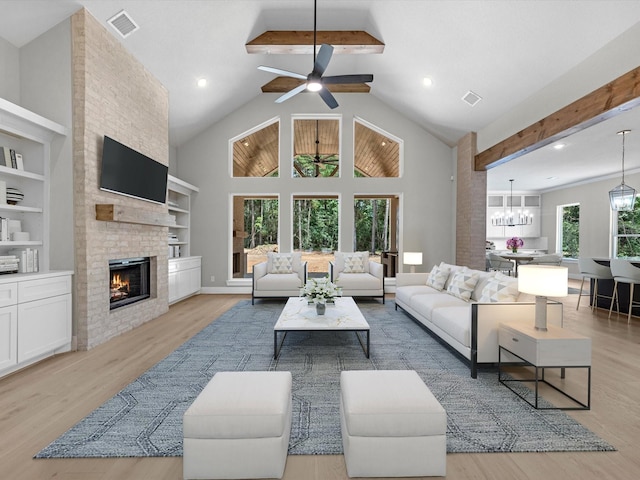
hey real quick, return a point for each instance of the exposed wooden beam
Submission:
(301, 42)
(284, 84)
(616, 97)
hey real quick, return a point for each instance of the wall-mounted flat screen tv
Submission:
(128, 172)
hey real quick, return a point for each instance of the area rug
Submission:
(145, 418)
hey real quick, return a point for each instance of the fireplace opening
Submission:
(129, 281)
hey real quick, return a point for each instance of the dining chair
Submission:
(591, 269)
(499, 264)
(624, 271)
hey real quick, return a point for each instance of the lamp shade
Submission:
(543, 280)
(412, 258)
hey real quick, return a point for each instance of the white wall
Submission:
(45, 85)
(9, 72)
(613, 60)
(425, 188)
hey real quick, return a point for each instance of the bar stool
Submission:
(624, 271)
(591, 269)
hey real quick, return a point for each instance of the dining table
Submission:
(518, 258)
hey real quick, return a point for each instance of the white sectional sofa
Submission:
(465, 307)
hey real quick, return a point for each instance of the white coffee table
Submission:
(343, 316)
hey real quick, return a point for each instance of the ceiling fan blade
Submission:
(279, 71)
(291, 93)
(328, 98)
(322, 59)
(340, 79)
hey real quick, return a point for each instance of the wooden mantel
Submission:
(124, 214)
(301, 42)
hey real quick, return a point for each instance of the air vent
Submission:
(471, 98)
(123, 24)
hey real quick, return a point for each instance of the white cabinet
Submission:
(184, 277)
(179, 204)
(37, 323)
(30, 136)
(8, 337)
(500, 204)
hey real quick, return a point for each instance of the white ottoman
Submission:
(392, 425)
(239, 427)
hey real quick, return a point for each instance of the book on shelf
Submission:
(5, 157)
(19, 161)
(4, 229)
(12, 153)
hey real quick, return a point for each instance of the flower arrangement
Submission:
(320, 290)
(514, 243)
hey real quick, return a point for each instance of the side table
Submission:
(554, 348)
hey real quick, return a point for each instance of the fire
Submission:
(119, 287)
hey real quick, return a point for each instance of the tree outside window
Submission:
(627, 233)
(570, 231)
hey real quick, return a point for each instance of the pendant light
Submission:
(509, 219)
(622, 197)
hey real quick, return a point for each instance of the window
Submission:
(316, 148)
(376, 153)
(569, 230)
(315, 230)
(255, 232)
(256, 152)
(626, 236)
(376, 220)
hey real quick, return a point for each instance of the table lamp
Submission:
(543, 281)
(413, 259)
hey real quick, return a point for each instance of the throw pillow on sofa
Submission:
(283, 262)
(340, 261)
(462, 284)
(500, 289)
(354, 263)
(437, 277)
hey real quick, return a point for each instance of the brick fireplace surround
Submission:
(113, 95)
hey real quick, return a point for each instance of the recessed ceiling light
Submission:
(202, 82)
(559, 146)
(427, 81)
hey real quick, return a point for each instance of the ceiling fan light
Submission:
(314, 86)
(622, 198)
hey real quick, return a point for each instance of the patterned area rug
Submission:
(145, 418)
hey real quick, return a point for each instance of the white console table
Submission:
(554, 348)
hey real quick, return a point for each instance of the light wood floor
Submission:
(40, 403)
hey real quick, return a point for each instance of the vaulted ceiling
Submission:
(504, 51)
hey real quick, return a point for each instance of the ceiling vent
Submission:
(471, 98)
(123, 24)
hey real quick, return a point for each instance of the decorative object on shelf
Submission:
(543, 281)
(320, 291)
(413, 259)
(514, 243)
(14, 196)
(510, 219)
(622, 197)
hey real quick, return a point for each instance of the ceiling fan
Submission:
(327, 159)
(315, 81)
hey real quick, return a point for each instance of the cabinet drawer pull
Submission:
(515, 339)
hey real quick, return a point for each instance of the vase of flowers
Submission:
(320, 291)
(514, 243)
